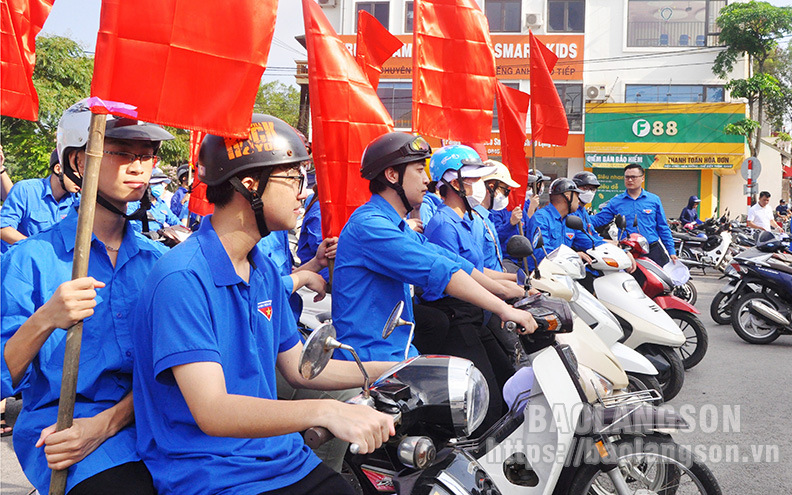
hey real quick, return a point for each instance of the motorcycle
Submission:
(647, 328)
(592, 440)
(710, 251)
(658, 286)
(761, 317)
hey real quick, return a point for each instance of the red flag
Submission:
(548, 118)
(346, 115)
(513, 107)
(375, 45)
(20, 22)
(453, 71)
(194, 64)
(198, 203)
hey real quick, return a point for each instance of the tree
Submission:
(62, 76)
(279, 100)
(779, 110)
(751, 29)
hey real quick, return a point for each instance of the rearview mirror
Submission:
(519, 247)
(394, 320)
(574, 222)
(317, 351)
(621, 223)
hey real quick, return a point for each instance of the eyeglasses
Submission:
(300, 178)
(505, 190)
(633, 177)
(127, 157)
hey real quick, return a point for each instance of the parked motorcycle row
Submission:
(582, 419)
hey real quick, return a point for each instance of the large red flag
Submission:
(20, 22)
(374, 46)
(194, 64)
(548, 118)
(453, 71)
(513, 106)
(346, 115)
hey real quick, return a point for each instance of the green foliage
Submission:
(779, 108)
(742, 128)
(62, 76)
(278, 99)
(752, 87)
(176, 151)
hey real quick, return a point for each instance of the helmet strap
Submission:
(491, 190)
(254, 198)
(398, 187)
(461, 192)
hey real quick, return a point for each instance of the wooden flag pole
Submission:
(82, 250)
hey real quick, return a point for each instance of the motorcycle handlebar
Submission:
(316, 436)
(542, 325)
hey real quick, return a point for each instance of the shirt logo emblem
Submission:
(570, 235)
(648, 211)
(265, 308)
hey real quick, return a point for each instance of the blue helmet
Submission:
(452, 157)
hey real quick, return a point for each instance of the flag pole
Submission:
(82, 249)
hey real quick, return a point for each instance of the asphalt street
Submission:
(737, 400)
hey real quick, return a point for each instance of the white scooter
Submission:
(647, 328)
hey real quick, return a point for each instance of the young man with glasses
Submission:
(643, 207)
(39, 302)
(204, 383)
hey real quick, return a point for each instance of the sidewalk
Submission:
(12, 479)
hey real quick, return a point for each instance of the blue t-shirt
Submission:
(647, 208)
(31, 272)
(554, 232)
(212, 315)
(276, 247)
(378, 257)
(159, 216)
(582, 242)
(429, 207)
(176, 206)
(30, 208)
(491, 247)
(457, 235)
(311, 235)
(501, 219)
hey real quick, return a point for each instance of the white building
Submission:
(636, 79)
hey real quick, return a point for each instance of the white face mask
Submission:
(478, 191)
(586, 197)
(500, 202)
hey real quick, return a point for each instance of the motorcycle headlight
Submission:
(633, 289)
(644, 244)
(469, 395)
(593, 381)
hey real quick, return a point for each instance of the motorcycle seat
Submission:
(781, 267)
(689, 238)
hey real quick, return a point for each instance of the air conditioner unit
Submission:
(326, 3)
(533, 20)
(596, 92)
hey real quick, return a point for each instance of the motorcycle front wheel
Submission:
(687, 292)
(720, 308)
(696, 339)
(752, 328)
(672, 376)
(638, 382)
(651, 464)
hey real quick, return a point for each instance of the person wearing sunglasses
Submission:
(379, 257)
(644, 214)
(40, 301)
(499, 187)
(205, 387)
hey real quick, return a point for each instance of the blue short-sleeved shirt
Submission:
(378, 257)
(554, 232)
(501, 219)
(311, 235)
(30, 208)
(176, 206)
(582, 242)
(159, 216)
(647, 208)
(429, 207)
(491, 247)
(212, 315)
(276, 247)
(457, 235)
(31, 272)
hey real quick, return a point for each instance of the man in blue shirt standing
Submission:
(39, 301)
(33, 205)
(644, 208)
(204, 384)
(379, 256)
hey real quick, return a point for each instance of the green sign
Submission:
(612, 183)
(660, 127)
(595, 160)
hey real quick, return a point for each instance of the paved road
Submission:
(738, 399)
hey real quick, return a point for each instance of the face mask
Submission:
(586, 197)
(500, 202)
(157, 190)
(478, 191)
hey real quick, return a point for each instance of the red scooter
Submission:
(657, 285)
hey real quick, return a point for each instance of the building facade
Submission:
(635, 77)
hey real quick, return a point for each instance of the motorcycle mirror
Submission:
(317, 351)
(635, 221)
(519, 247)
(539, 240)
(574, 222)
(620, 222)
(394, 320)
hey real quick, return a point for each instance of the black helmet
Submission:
(389, 150)
(183, 170)
(272, 142)
(586, 179)
(539, 177)
(563, 185)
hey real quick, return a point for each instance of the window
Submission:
(408, 17)
(504, 16)
(672, 23)
(566, 16)
(572, 98)
(380, 11)
(665, 93)
(397, 98)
